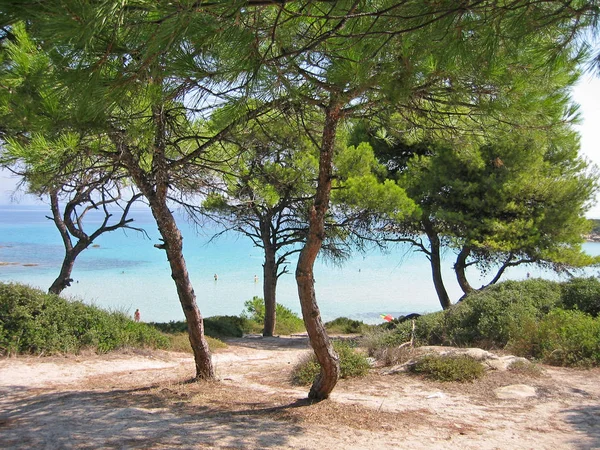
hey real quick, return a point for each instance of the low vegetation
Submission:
(180, 342)
(33, 322)
(460, 368)
(287, 322)
(555, 323)
(551, 322)
(343, 325)
(353, 363)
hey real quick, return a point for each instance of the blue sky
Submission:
(586, 94)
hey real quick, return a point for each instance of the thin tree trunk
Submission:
(436, 265)
(460, 269)
(64, 279)
(319, 340)
(269, 291)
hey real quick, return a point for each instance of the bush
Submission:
(215, 326)
(491, 317)
(582, 294)
(380, 338)
(32, 321)
(429, 330)
(352, 364)
(488, 318)
(449, 368)
(287, 322)
(343, 325)
(224, 326)
(564, 338)
(172, 327)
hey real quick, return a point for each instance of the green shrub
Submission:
(449, 368)
(582, 294)
(287, 321)
(352, 364)
(489, 318)
(32, 321)
(429, 330)
(305, 370)
(343, 325)
(380, 338)
(224, 326)
(172, 327)
(564, 338)
(215, 326)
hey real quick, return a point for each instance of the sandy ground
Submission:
(143, 400)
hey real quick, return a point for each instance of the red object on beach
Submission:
(387, 318)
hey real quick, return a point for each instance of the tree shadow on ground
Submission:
(271, 343)
(139, 418)
(586, 420)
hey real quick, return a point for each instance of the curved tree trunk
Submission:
(64, 279)
(154, 187)
(173, 245)
(460, 269)
(319, 340)
(269, 291)
(436, 265)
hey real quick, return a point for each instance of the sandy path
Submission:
(141, 400)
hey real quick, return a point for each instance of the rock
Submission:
(477, 354)
(504, 362)
(515, 391)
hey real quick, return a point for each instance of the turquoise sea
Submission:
(126, 272)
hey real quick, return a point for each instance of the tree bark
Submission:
(460, 269)
(269, 291)
(64, 279)
(436, 265)
(173, 246)
(154, 187)
(319, 340)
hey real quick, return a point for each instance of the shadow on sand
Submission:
(138, 418)
(586, 420)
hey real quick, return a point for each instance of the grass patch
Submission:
(352, 364)
(449, 368)
(180, 342)
(34, 322)
(526, 368)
